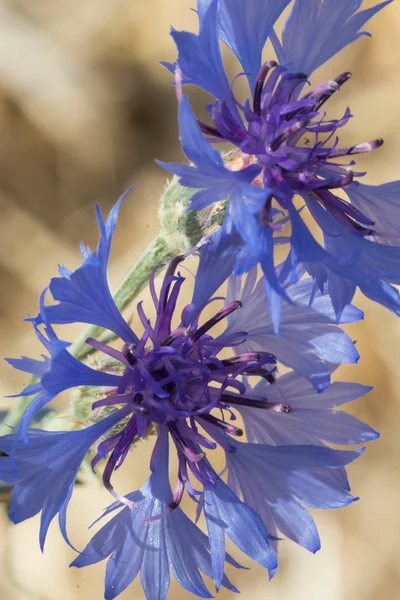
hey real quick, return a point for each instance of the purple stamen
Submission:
(265, 69)
(178, 494)
(208, 130)
(323, 89)
(108, 471)
(220, 315)
(339, 183)
(185, 446)
(227, 427)
(254, 402)
(270, 378)
(174, 380)
(168, 278)
(286, 134)
(273, 136)
(343, 78)
(107, 350)
(176, 500)
(357, 149)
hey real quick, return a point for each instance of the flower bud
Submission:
(185, 228)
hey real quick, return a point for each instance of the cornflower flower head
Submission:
(186, 387)
(285, 146)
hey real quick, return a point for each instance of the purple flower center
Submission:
(173, 379)
(294, 142)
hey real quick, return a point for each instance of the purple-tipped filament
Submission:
(293, 142)
(174, 380)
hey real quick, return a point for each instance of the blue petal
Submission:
(225, 513)
(313, 418)
(200, 60)
(321, 310)
(216, 532)
(195, 146)
(332, 344)
(126, 560)
(217, 258)
(29, 365)
(52, 344)
(317, 493)
(45, 471)
(33, 408)
(245, 27)
(354, 260)
(296, 523)
(203, 559)
(350, 250)
(308, 339)
(341, 292)
(67, 372)
(209, 171)
(338, 428)
(154, 574)
(381, 203)
(84, 295)
(259, 247)
(276, 481)
(298, 458)
(183, 563)
(125, 537)
(64, 372)
(315, 31)
(153, 548)
(59, 372)
(373, 266)
(300, 394)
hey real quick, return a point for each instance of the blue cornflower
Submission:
(173, 382)
(285, 146)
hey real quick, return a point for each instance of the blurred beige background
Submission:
(84, 110)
